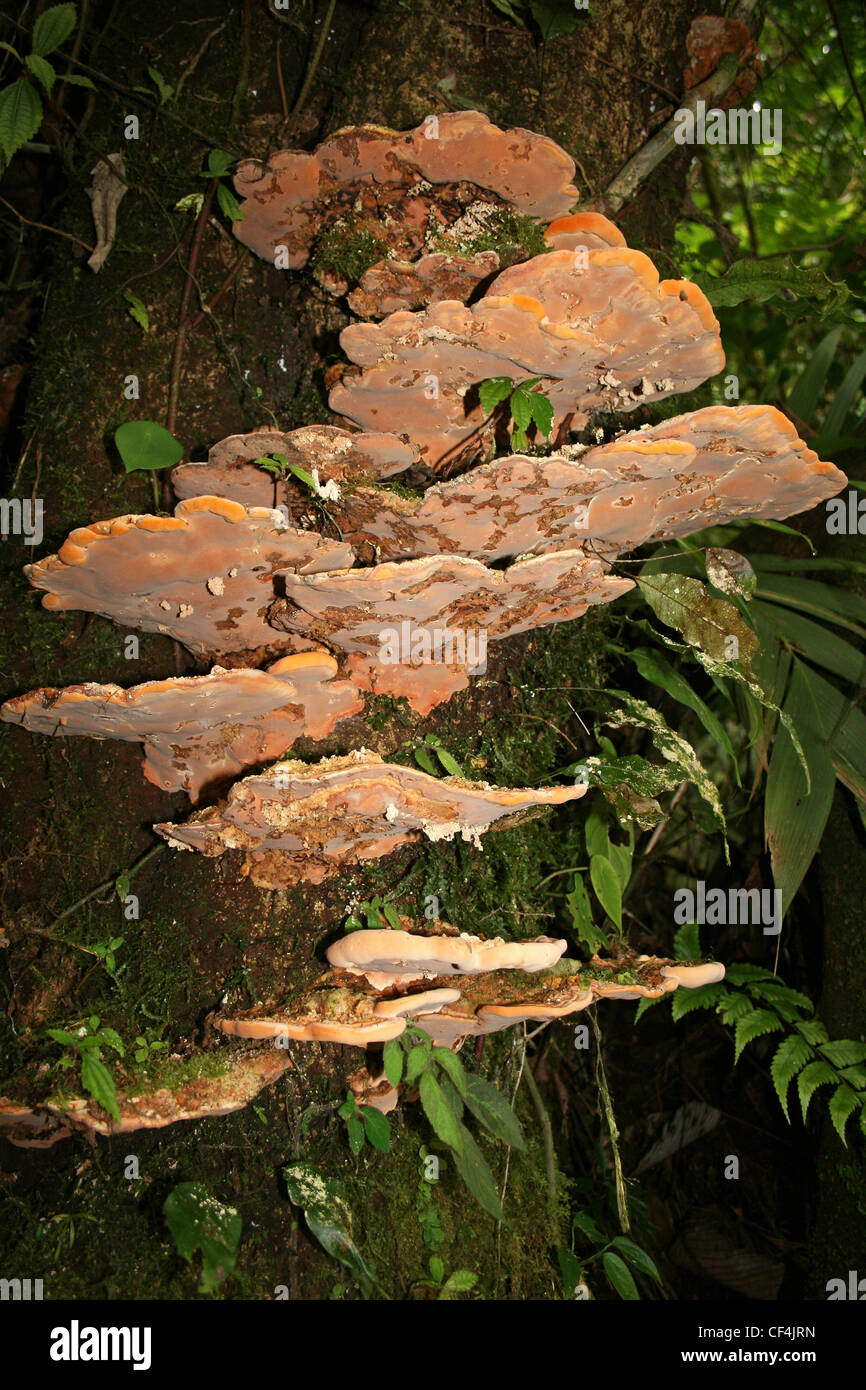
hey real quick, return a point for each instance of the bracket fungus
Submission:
(397, 953)
(695, 470)
(334, 454)
(600, 329)
(199, 731)
(372, 187)
(203, 576)
(419, 628)
(297, 822)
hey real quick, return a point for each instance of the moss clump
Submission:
(346, 250)
(512, 235)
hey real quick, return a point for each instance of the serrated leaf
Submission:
(756, 282)
(542, 412)
(453, 1068)
(654, 668)
(415, 1064)
(493, 391)
(813, 1030)
(445, 1124)
(75, 80)
(42, 71)
(475, 1172)
(461, 1281)
(493, 1111)
(60, 1035)
(818, 1073)
(219, 163)
(588, 934)
(686, 1001)
(741, 971)
(521, 408)
(620, 1276)
(20, 115)
(137, 310)
(393, 1058)
(607, 888)
(53, 28)
(843, 1103)
(754, 1025)
(843, 1053)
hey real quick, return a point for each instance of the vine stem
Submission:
(601, 1083)
(102, 887)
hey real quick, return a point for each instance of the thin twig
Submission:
(316, 59)
(109, 883)
(55, 231)
(607, 1104)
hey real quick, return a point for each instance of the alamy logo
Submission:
(736, 907)
(423, 646)
(20, 1290)
(77, 1343)
(739, 126)
(855, 1289)
(22, 518)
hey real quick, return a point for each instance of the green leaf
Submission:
(391, 915)
(493, 391)
(453, 1068)
(20, 115)
(60, 1035)
(819, 600)
(754, 1025)
(521, 409)
(815, 641)
(844, 1053)
(811, 1077)
(475, 1172)
(228, 204)
(42, 71)
(794, 813)
(555, 18)
(804, 396)
(445, 1124)
(686, 1001)
(53, 28)
(588, 934)
(424, 761)
(377, 1129)
(542, 412)
(653, 667)
(355, 1127)
(842, 1103)
(813, 1030)
(98, 1081)
(415, 1064)
(137, 310)
(145, 444)
(450, 764)
(673, 747)
(583, 1222)
(219, 164)
(620, 1276)
(756, 282)
(708, 623)
(74, 80)
(607, 888)
(461, 1281)
(197, 1221)
(327, 1215)
(493, 1111)
(687, 942)
(437, 1269)
(844, 399)
(165, 91)
(393, 1058)
(637, 1257)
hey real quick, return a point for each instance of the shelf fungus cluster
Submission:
(379, 554)
(447, 983)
